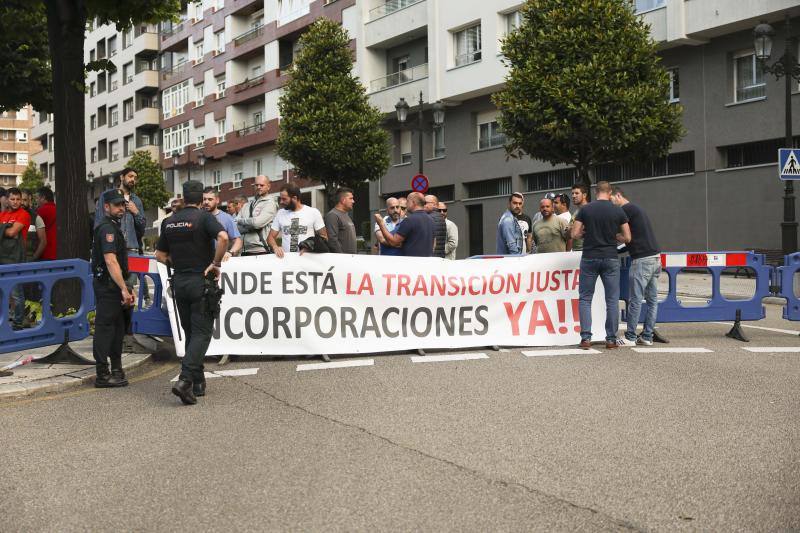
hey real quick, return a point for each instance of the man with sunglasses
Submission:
(452, 234)
(396, 212)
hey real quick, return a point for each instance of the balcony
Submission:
(147, 78)
(168, 72)
(166, 34)
(290, 10)
(398, 78)
(386, 97)
(248, 35)
(146, 42)
(396, 22)
(251, 137)
(248, 91)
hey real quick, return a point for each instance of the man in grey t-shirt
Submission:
(341, 230)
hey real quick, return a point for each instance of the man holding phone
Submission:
(133, 221)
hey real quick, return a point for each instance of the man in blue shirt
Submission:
(414, 236)
(211, 204)
(133, 221)
(395, 215)
(510, 240)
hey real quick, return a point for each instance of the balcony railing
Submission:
(142, 67)
(172, 31)
(175, 69)
(398, 78)
(248, 35)
(247, 130)
(390, 7)
(247, 84)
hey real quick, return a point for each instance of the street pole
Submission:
(789, 224)
(420, 132)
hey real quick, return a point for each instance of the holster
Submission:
(212, 296)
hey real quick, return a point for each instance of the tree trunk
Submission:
(66, 23)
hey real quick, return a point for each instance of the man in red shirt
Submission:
(47, 211)
(14, 224)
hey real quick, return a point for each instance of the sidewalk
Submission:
(35, 378)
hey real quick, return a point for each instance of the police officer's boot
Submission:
(106, 380)
(199, 387)
(117, 372)
(183, 390)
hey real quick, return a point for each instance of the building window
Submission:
(175, 138)
(51, 143)
(127, 146)
(127, 38)
(257, 168)
(198, 52)
(674, 85)
(754, 153)
(258, 118)
(93, 89)
(102, 116)
(174, 98)
(513, 21)
(748, 78)
(220, 86)
(221, 131)
(493, 187)
(256, 71)
(200, 141)
(93, 122)
(489, 134)
(438, 142)
(102, 150)
(113, 150)
(237, 179)
(219, 41)
(127, 109)
(6, 135)
(113, 114)
(127, 73)
(199, 94)
(405, 147)
(94, 155)
(112, 46)
(22, 136)
(216, 179)
(647, 5)
(468, 45)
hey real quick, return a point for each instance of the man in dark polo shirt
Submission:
(645, 270)
(414, 236)
(602, 225)
(187, 245)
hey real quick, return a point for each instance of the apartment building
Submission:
(718, 188)
(223, 69)
(122, 111)
(16, 145)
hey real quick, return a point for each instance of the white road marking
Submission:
(335, 364)
(227, 373)
(448, 357)
(550, 353)
(773, 349)
(672, 350)
(775, 330)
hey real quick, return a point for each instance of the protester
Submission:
(176, 204)
(551, 233)
(211, 204)
(395, 215)
(414, 236)
(40, 242)
(561, 208)
(47, 212)
(133, 222)
(339, 225)
(602, 225)
(295, 222)
(193, 244)
(3, 199)
(235, 205)
(452, 234)
(526, 225)
(113, 295)
(509, 233)
(644, 272)
(14, 223)
(580, 198)
(439, 226)
(255, 219)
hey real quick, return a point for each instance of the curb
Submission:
(66, 381)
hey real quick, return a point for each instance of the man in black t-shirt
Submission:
(112, 295)
(602, 225)
(526, 225)
(414, 236)
(187, 246)
(645, 270)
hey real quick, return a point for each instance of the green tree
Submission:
(32, 178)
(328, 129)
(585, 86)
(150, 182)
(50, 43)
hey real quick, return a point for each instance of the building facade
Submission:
(718, 188)
(16, 145)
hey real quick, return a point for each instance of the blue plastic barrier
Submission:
(51, 330)
(718, 308)
(153, 320)
(791, 264)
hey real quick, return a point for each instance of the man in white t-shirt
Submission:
(294, 221)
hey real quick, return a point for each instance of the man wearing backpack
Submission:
(255, 218)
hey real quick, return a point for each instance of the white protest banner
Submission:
(347, 304)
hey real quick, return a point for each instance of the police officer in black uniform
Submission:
(112, 296)
(187, 246)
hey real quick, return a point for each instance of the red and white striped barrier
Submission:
(704, 260)
(142, 265)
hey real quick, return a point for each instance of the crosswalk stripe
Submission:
(672, 350)
(773, 349)
(448, 357)
(234, 372)
(335, 364)
(551, 353)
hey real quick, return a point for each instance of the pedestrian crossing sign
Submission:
(789, 163)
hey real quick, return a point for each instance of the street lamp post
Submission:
(402, 109)
(787, 67)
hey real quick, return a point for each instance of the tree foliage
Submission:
(150, 182)
(26, 77)
(328, 129)
(32, 178)
(585, 86)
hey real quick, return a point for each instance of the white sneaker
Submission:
(642, 342)
(622, 341)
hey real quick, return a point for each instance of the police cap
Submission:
(114, 197)
(193, 186)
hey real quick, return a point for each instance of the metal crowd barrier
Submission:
(786, 274)
(51, 329)
(154, 319)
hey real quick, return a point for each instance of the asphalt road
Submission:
(610, 441)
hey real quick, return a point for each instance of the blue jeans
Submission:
(643, 285)
(608, 270)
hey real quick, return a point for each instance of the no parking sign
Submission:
(419, 183)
